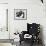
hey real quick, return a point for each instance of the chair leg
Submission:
(32, 42)
(20, 42)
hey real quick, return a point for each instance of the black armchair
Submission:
(33, 30)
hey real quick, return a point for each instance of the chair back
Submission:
(33, 28)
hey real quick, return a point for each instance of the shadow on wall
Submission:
(41, 34)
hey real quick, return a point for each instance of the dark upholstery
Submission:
(32, 29)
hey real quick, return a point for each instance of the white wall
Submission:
(3, 1)
(35, 14)
(3, 22)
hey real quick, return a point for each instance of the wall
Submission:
(3, 21)
(35, 14)
(3, 1)
(3, 34)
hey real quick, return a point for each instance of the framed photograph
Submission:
(20, 14)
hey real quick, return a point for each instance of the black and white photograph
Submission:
(22, 22)
(20, 14)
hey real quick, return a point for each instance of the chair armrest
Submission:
(24, 32)
(22, 35)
